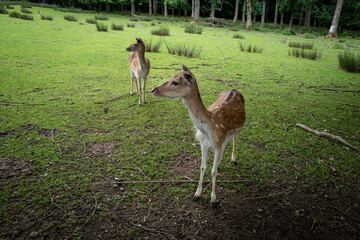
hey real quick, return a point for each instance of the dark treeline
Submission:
(307, 13)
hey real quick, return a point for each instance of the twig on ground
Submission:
(21, 104)
(329, 135)
(337, 90)
(312, 116)
(254, 97)
(173, 181)
(136, 168)
(115, 98)
(153, 230)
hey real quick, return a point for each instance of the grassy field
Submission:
(62, 151)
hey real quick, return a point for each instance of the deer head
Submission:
(137, 46)
(179, 86)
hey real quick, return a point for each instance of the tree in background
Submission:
(236, 14)
(262, 23)
(196, 13)
(335, 22)
(248, 15)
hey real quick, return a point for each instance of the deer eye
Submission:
(174, 83)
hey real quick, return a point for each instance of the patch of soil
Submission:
(11, 170)
(185, 165)
(102, 148)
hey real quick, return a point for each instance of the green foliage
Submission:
(91, 21)
(15, 14)
(23, 10)
(70, 18)
(152, 46)
(309, 36)
(101, 27)
(193, 28)
(349, 61)
(249, 48)
(101, 17)
(183, 49)
(309, 54)
(26, 17)
(301, 45)
(162, 31)
(117, 27)
(3, 10)
(132, 25)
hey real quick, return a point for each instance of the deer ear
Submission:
(184, 68)
(139, 40)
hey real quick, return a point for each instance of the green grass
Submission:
(55, 91)
(161, 31)
(349, 61)
(193, 28)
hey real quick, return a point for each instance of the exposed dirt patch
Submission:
(185, 165)
(11, 170)
(102, 148)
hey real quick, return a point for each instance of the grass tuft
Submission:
(3, 10)
(15, 14)
(49, 18)
(349, 61)
(239, 36)
(250, 48)
(70, 18)
(117, 27)
(152, 46)
(91, 21)
(312, 54)
(101, 17)
(132, 25)
(23, 10)
(309, 36)
(101, 27)
(183, 50)
(192, 28)
(162, 31)
(301, 45)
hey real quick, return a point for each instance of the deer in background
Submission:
(139, 68)
(215, 126)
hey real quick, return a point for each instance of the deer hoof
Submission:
(214, 205)
(195, 198)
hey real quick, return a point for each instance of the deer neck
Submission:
(142, 61)
(198, 112)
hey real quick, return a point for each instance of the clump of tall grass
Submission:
(312, 54)
(23, 10)
(101, 17)
(162, 31)
(14, 14)
(147, 19)
(250, 48)
(151, 46)
(9, 7)
(183, 49)
(49, 18)
(131, 25)
(101, 27)
(309, 36)
(3, 10)
(192, 28)
(301, 45)
(117, 27)
(70, 18)
(236, 35)
(26, 17)
(349, 61)
(134, 19)
(91, 21)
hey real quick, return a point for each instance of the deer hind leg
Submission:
(133, 78)
(233, 152)
(205, 153)
(143, 87)
(139, 93)
(218, 155)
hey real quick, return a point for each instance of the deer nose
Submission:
(153, 91)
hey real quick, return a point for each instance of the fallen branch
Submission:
(254, 97)
(173, 181)
(21, 104)
(337, 90)
(115, 98)
(329, 135)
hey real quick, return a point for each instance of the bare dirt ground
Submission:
(271, 213)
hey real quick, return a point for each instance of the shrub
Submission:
(49, 18)
(131, 25)
(23, 10)
(249, 48)
(309, 36)
(15, 14)
(134, 19)
(101, 27)
(151, 46)
(147, 19)
(3, 10)
(117, 27)
(26, 17)
(312, 54)
(286, 32)
(70, 18)
(162, 31)
(9, 7)
(91, 21)
(301, 45)
(192, 28)
(349, 61)
(236, 35)
(183, 50)
(101, 17)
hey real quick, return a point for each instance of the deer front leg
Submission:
(233, 153)
(144, 81)
(132, 83)
(217, 159)
(205, 153)
(139, 83)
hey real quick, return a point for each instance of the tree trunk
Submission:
(150, 7)
(308, 16)
(262, 24)
(236, 15)
(154, 7)
(335, 22)
(107, 7)
(192, 8)
(196, 17)
(291, 19)
(276, 12)
(212, 11)
(243, 13)
(165, 9)
(281, 16)
(132, 8)
(248, 15)
(301, 15)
